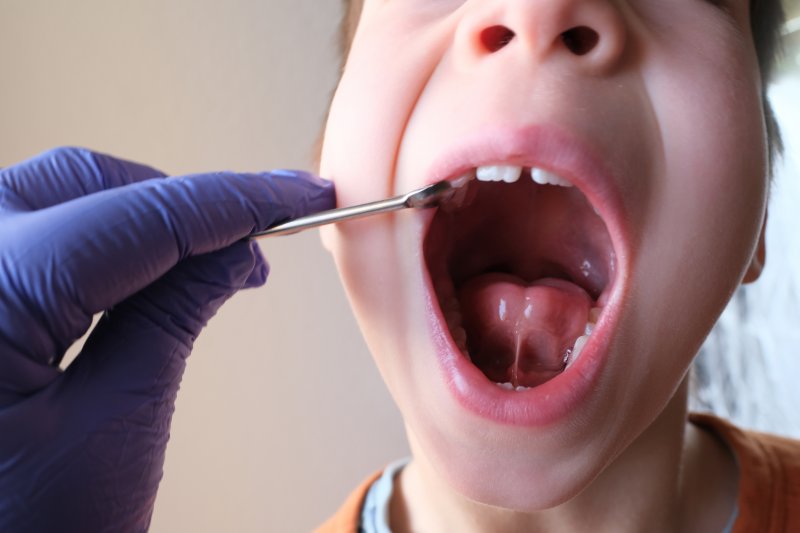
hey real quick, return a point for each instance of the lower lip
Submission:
(537, 407)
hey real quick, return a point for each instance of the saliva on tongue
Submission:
(520, 332)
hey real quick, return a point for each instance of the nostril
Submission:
(494, 38)
(580, 40)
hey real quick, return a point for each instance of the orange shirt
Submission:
(769, 482)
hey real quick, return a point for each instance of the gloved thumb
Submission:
(140, 345)
(114, 404)
(258, 277)
(183, 300)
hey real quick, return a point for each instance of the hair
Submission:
(352, 14)
(766, 18)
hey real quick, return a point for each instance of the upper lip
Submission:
(549, 148)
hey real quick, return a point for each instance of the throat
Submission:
(522, 334)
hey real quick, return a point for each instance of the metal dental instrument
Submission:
(428, 196)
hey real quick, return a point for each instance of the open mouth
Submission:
(522, 265)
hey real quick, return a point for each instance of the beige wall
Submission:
(281, 412)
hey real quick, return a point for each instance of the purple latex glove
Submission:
(80, 233)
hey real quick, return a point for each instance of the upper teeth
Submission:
(511, 174)
(508, 174)
(544, 177)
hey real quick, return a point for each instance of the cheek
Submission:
(713, 189)
(697, 216)
(391, 59)
(703, 211)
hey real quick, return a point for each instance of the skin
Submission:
(670, 99)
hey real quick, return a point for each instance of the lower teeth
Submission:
(510, 386)
(580, 343)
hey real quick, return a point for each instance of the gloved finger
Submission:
(117, 242)
(107, 246)
(63, 174)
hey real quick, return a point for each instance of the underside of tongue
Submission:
(520, 332)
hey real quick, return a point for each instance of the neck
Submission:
(656, 484)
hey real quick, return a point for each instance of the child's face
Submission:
(653, 112)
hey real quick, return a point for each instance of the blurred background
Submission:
(281, 411)
(748, 367)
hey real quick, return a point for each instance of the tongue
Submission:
(519, 332)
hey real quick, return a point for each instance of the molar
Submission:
(506, 173)
(594, 316)
(580, 343)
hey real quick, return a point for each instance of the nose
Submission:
(589, 33)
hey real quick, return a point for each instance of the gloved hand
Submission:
(80, 233)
